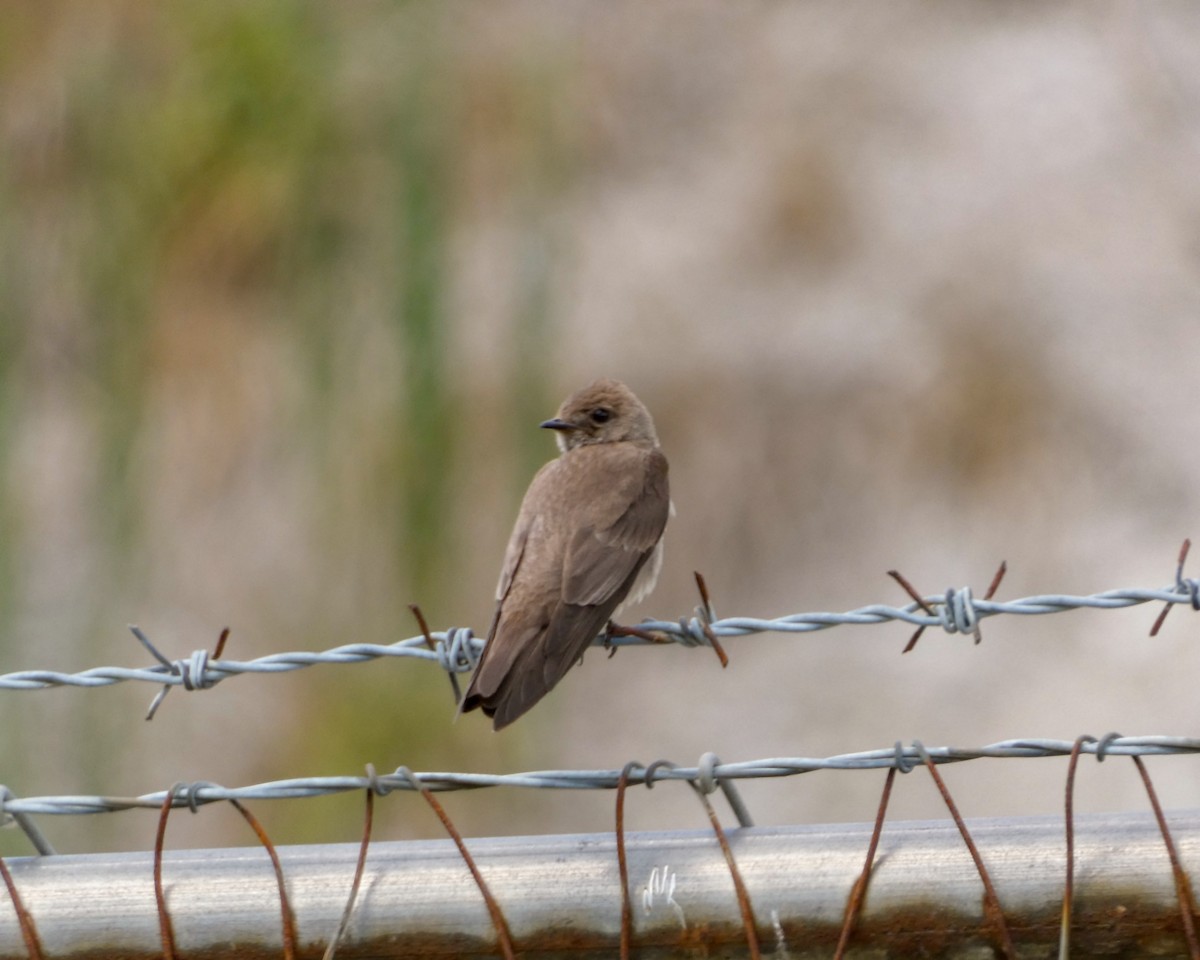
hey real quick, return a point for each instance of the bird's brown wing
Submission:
(601, 563)
(498, 654)
(601, 556)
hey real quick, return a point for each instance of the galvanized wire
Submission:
(899, 756)
(457, 650)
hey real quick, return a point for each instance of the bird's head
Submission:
(603, 412)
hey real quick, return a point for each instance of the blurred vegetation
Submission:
(226, 236)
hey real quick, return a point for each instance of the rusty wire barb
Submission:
(1189, 587)
(991, 902)
(360, 864)
(704, 619)
(1183, 883)
(623, 861)
(499, 922)
(432, 645)
(185, 794)
(858, 893)
(457, 649)
(957, 612)
(287, 916)
(1064, 937)
(702, 786)
(29, 934)
(191, 674)
(166, 929)
(705, 782)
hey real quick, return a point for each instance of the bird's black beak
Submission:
(557, 424)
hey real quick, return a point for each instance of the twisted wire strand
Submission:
(457, 649)
(894, 756)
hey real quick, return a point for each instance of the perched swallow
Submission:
(588, 538)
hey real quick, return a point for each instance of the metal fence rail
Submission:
(562, 895)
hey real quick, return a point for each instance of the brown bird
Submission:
(587, 539)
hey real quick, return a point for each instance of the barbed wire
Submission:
(708, 771)
(457, 650)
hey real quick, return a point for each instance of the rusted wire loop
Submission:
(745, 907)
(499, 921)
(991, 902)
(31, 830)
(287, 916)
(904, 763)
(1064, 933)
(166, 929)
(1103, 744)
(29, 934)
(1183, 883)
(359, 869)
(858, 892)
(626, 944)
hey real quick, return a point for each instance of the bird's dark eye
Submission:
(601, 415)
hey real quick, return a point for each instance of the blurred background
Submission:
(285, 290)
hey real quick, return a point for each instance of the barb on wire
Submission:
(1190, 587)
(456, 650)
(959, 614)
(192, 673)
(432, 645)
(918, 600)
(705, 618)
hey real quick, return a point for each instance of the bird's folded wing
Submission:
(601, 558)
